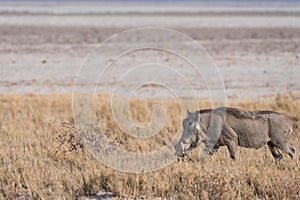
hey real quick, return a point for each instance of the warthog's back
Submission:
(253, 128)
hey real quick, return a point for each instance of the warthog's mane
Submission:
(240, 114)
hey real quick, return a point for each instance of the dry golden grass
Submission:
(41, 156)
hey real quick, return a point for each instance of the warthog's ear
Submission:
(188, 112)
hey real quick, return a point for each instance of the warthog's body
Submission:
(233, 128)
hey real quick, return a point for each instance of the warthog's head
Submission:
(191, 136)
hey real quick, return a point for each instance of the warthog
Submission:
(233, 127)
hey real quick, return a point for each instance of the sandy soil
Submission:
(257, 54)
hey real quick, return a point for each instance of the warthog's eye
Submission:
(190, 123)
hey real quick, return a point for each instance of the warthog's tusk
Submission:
(198, 127)
(172, 144)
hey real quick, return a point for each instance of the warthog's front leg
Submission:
(212, 136)
(232, 148)
(231, 141)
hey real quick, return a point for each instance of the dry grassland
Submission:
(42, 157)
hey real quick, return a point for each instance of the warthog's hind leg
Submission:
(293, 150)
(288, 149)
(274, 150)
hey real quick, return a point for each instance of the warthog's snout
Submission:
(181, 149)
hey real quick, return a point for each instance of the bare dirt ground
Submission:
(256, 54)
